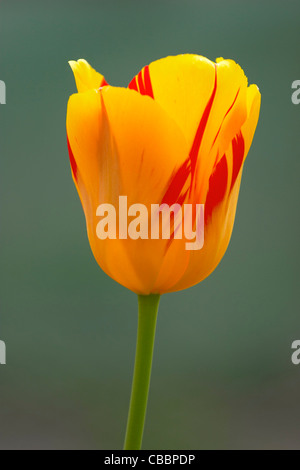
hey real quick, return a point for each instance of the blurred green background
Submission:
(222, 373)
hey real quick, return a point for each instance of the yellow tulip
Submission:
(179, 133)
(176, 137)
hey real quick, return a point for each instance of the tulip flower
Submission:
(176, 138)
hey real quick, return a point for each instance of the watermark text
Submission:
(164, 222)
(296, 353)
(2, 92)
(2, 353)
(296, 94)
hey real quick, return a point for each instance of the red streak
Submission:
(228, 111)
(217, 188)
(238, 150)
(177, 182)
(72, 160)
(103, 83)
(201, 128)
(133, 85)
(147, 81)
(142, 83)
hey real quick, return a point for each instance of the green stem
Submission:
(148, 308)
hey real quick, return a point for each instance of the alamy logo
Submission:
(296, 94)
(2, 92)
(164, 222)
(2, 353)
(296, 353)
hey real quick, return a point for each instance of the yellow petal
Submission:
(207, 100)
(221, 201)
(227, 115)
(253, 108)
(86, 77)
(124, 144)
(182, 85)
(185, 141)
(217, 234)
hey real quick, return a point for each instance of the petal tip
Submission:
(86, 77)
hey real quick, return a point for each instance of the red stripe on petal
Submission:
(148, 84)
(133, 85)
(141, 83)
(103, 83)
(238, 150)
(72, 160)
(217, 188)
(201, 128)
(228, 111)
(177, 182)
